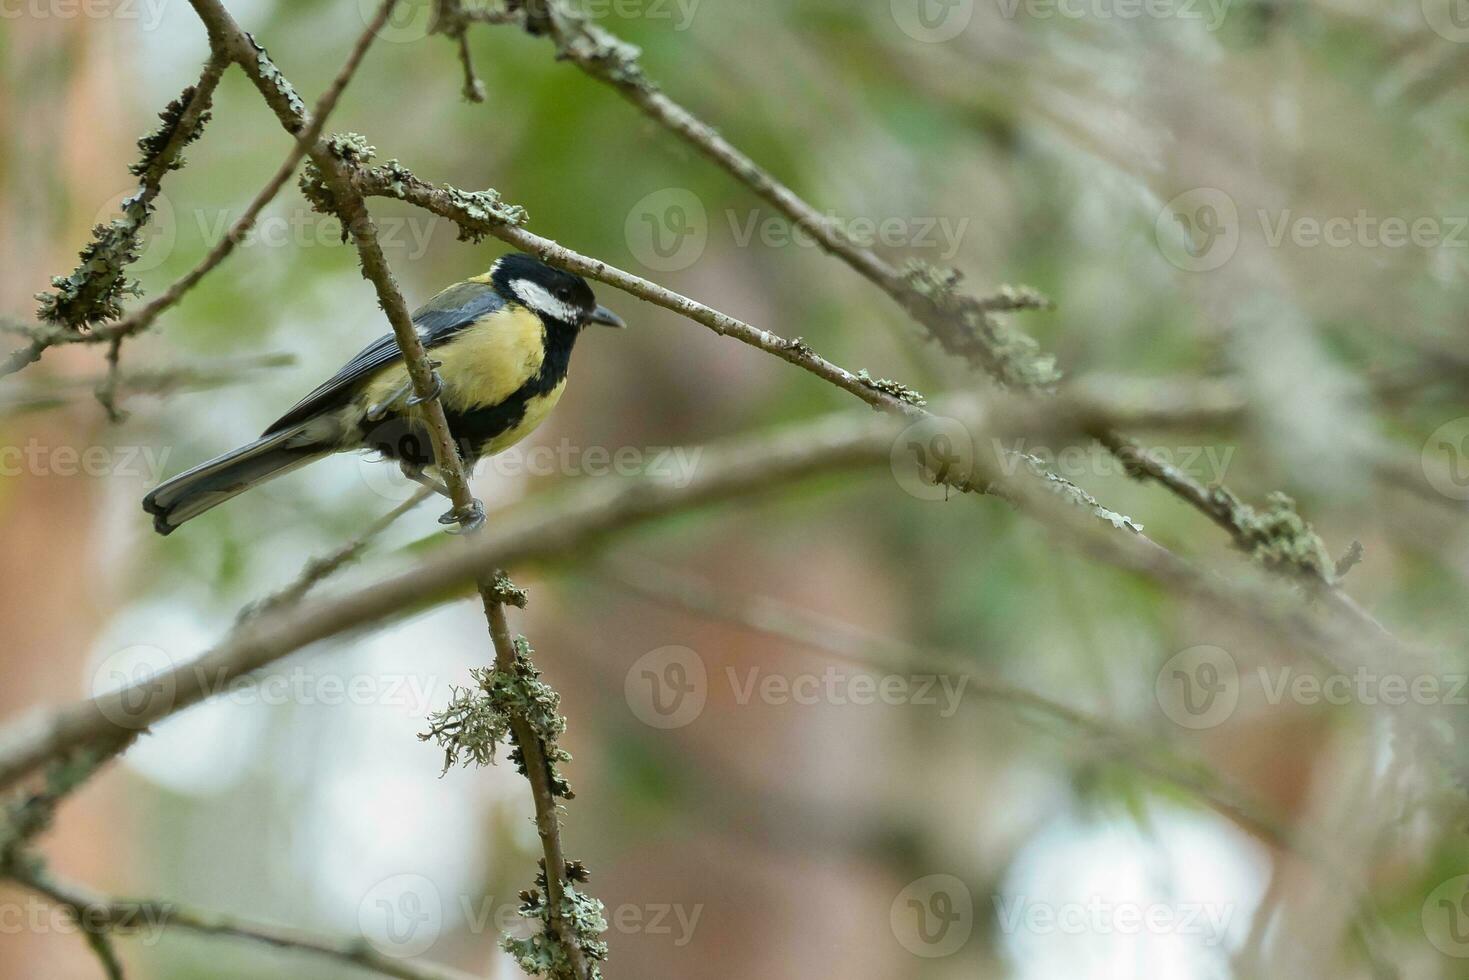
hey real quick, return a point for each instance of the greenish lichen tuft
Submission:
(478, 720)
(544, 954)
(1075, 495)
(350, 148)
(507, 592)
(964, 326)
(158, 153)
(1277, 537)
(273, 77)
(896, 389)
(94, 291)
(603, 53)
(472, 211)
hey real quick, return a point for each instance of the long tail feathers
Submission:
(210, 484)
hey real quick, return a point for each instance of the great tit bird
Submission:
(500, 344)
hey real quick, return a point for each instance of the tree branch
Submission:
(100, 914)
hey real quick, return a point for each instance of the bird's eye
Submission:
(563, 293)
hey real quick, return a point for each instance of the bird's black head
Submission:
(556, 296)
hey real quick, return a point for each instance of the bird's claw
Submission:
(470, 519)
(436, 390)
(379, 411)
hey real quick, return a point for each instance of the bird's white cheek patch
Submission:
(537, 298)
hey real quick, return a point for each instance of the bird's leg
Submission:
(471, 518)
(438, 388)
(417, 475)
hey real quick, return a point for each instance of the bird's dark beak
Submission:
(606, 317)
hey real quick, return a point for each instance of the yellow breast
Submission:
(484, 364)
(536, 410)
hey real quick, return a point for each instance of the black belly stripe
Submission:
(397, 437)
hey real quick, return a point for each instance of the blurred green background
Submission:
(1086, 148)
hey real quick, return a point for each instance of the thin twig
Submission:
(322, 567)
(101, 914)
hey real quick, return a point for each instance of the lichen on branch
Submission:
(966, 326)
(541, 954)
(94, 291)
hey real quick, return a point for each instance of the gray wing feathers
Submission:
(437, 321)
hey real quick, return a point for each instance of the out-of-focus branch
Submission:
(101, 915)
(577, 520)
(320, 568)
(54, 392)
